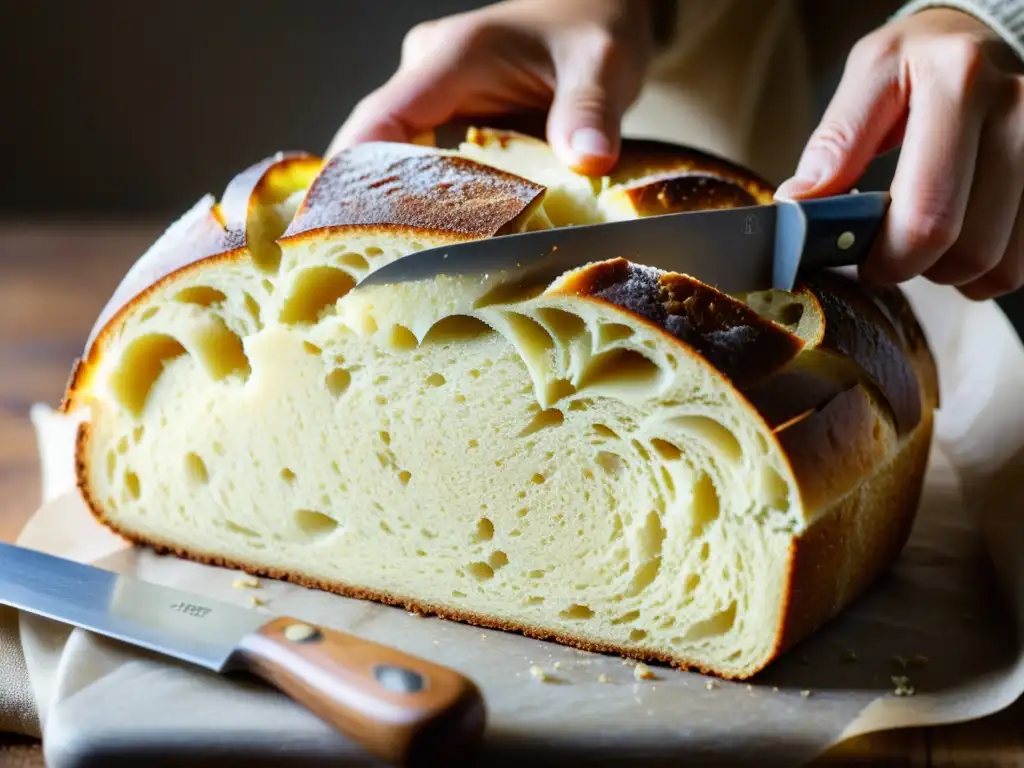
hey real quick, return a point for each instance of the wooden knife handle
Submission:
(405, 710)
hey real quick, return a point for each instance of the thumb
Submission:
(864, 113)
(586, 114)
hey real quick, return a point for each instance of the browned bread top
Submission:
(403, 185)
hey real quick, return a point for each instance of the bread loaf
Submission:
(624, 460)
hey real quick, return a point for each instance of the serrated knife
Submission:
(735, 250)
(402, 709)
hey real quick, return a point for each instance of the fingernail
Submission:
(812, 169)
(590, 142)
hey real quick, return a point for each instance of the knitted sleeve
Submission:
(1005, 17)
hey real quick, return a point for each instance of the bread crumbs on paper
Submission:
(805, 693)
(902, 686)
(710, 685)
(603, 678)
(643, 672)
(539, 674)
(557, 665)
(775, 689)
(257, 602)
(246, 582)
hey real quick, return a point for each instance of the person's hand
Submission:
(583, 59)
(945, 86)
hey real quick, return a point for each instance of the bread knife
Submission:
(402, 709)
(735, 249)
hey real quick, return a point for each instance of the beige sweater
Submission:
(742, 77)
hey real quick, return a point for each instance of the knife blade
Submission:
(402, 709)
(735, 250)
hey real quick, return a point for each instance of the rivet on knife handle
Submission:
(835, 231)
(402, 709)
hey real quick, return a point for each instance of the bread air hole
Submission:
(287, 475)
(609, 333)
(132, 486)
(610, 463)
(709, 431)
(456, 329)
(577, 612)
(435, 380)
(621, 373)
(401, 338)
(314, 524)
(498, 559)
(354, 261)
(774, 490)
(715, 626)
(705, 505)
(220, 351)
(484, 530)
(563, 326)
(140, 366)
(202, 295)
(313, 292)
(252, 307)
(480, 571)
(649, 541)
(338, 382)
(195, 469)
(627, 618)
(636, 635)
(666, 450)
(543, 420)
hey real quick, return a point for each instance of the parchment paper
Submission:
(942, 618)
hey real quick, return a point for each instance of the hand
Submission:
(585, 59)
(944, 84)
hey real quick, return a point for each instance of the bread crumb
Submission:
(902, 686)
(257, 602)
(775, 689)
(849, 655)
(805, 693)
(603, 678)
(629, 662)
(246, 582)
(710, 685)
(539, 674)
(643, 672)
(558, 665)
(750, 688)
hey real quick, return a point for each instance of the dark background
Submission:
(116, 109)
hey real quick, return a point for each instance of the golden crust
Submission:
(857, 328)
(402, 185)
(737, 341)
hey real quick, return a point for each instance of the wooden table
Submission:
(54, 280)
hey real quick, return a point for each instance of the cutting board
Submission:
(141, 710)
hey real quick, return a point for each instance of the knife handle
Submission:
(402, 709)
(840, 231)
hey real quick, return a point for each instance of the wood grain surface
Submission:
(55, 278)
